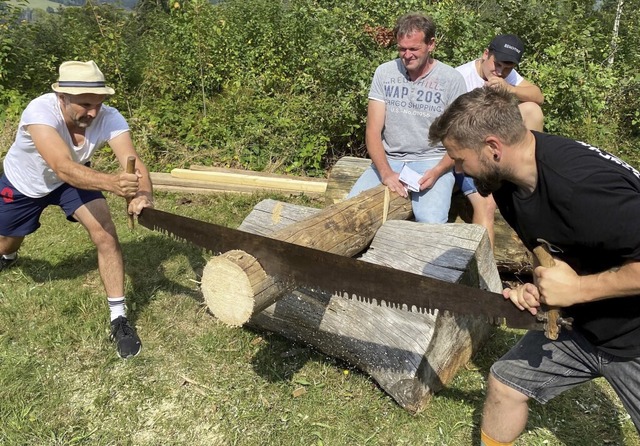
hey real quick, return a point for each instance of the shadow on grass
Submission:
(582, 416)
(145, 263)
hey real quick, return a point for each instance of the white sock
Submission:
(117, 307)
(10, 256)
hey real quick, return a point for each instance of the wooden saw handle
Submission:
(552, 325)
(131, 168)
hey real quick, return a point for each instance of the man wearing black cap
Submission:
(496, 68)
(48, 164)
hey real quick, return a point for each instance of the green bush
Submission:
(282, 86)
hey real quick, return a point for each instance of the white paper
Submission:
(410, 178)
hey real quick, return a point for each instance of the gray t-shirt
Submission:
(411, 107)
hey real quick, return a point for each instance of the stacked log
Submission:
(510, 254)
(410, 355)
(235, 285)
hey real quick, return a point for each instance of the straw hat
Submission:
(81, 77)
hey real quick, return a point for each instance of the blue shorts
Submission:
(20, 215)
(464, 183)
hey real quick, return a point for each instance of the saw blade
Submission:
(345, 276)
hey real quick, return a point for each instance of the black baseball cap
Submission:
(507, 48)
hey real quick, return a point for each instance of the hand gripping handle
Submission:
(553, 319)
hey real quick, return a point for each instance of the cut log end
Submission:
(227, 289)
(235, 287)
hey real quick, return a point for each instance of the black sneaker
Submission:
(7, 263)
(127, 341)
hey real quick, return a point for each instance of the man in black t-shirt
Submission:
(585, 203)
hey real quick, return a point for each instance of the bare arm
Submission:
(373, 139)
(56, 154)
(122, 147)
(561, 286)
(525, 91)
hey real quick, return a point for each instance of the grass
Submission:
(198, 382)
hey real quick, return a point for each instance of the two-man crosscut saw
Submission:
(346, 276)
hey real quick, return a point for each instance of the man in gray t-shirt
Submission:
(407, 94)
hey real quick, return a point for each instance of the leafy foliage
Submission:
(282, 86)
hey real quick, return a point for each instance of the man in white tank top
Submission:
(49, 164)
(496, 68)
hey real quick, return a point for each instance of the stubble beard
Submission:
(82, 123)
(491, 179)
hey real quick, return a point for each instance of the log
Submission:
(253, 179)
(342, 176)
(410, 355)
(234, 284)
(510, 254)
(165, 182)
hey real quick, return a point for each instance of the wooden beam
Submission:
(200, 168)
(253, 179)
(167, 182)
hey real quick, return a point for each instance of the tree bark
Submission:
(615, 33)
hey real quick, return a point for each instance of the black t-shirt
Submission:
(587, 204)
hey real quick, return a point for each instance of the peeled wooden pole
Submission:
(266, 181)
(235, 286)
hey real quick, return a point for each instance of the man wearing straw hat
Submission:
(48, 164)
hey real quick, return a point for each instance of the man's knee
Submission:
(431, 211)
(532, 116)
(9, 245)
(497, 391)
(99, 224)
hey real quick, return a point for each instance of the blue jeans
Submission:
(542, 369)
(466, 184)
(430, 205)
